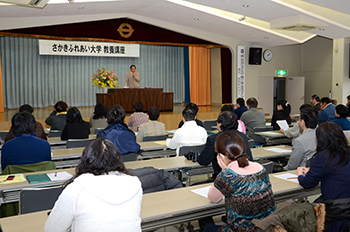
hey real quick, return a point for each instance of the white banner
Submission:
(79, 48)
(240, 71)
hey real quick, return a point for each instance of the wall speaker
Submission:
(255, 56)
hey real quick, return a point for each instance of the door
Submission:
(295, 92)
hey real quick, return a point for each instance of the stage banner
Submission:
(81, 48)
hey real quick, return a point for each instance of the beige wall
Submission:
(316, 62)
(215, 74)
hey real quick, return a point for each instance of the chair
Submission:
(36, 167)
(258, 138)
(208, 124)
(309, 161)
(38, 199)
(71, 143)
(129, 157)
(268, 166)
(155, 138)
(98, 130)
(55, 133)
(3, 134)
(251, 143)
(185, 149)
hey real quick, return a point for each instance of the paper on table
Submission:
(160, 142)
(288, 176)
(59, 176)
(278, 150)
(202, 191)
(18, 178)
(283, 124)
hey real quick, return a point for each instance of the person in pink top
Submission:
(244, 184)
(137, 118)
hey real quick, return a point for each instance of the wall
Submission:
(316, 62)
(215, 74)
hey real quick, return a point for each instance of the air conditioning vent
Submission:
(299, 28)
(296, 23)
(30, 3)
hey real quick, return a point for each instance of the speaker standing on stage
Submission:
(132, 78)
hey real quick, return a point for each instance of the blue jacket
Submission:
(240, 110)
(327, 114)
(344, 123)
(25, 149)
(122, 137)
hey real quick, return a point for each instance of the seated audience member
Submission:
(227, 121)
(241, 126)
(315, 101)
(138, 117)
(240, 107)
(101, 196)
(190, 134)
(118, 132)
(194, 108)
(99, 118)
(57, 119)
(152, 127)
(304, 146)
(76, 127)
(244, 184)
(341, 112)
(348, 104)
(253, 117)
(282, 113)
(26, 147)
(39, 130)
(331, 167)
(295, 131)
(327, 112)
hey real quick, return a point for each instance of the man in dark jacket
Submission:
(227, 121)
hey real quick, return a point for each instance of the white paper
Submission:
(170, 131)
(283, 124)
(202, 191)
(288, 176)
(59, 176)
(278, 150)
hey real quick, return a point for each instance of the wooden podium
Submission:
(128, 97)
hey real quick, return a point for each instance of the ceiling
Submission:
(225, 18)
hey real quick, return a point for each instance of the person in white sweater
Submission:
(102, 196)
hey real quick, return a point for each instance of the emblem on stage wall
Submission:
(125, 30)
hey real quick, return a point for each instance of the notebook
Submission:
(33, 179)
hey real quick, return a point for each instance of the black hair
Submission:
(285, 105)
(240, 101)
(252, 102)
(100, 111)
(348, 97)
(138, 106)
(227, 108)
(61, 106)
(116, 114)
(330, 137)
(325, 100)
(188, 114)
(342, 110)
(310, 117)
(153, 113)
(304, 106)
(74, 116)
(192, 106)
(27, 108)
(23, 123)
(232, 146)
(132, 66)
(100, 156)
(228, 120)
(316, 97)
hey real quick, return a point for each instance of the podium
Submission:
(128, 97)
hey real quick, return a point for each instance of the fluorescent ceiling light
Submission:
(81, 1)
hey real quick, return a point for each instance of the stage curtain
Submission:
(200, 75)
(42, 80)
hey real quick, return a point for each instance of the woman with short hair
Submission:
(99, 118)
(102, 195)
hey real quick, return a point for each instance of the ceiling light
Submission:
(241, 18)
(266, 37)
(245, 5)
(321, 29)
(195, 19)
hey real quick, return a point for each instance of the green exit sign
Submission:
(281, 72)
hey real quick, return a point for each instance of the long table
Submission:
(274, 137)
(166, 208)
